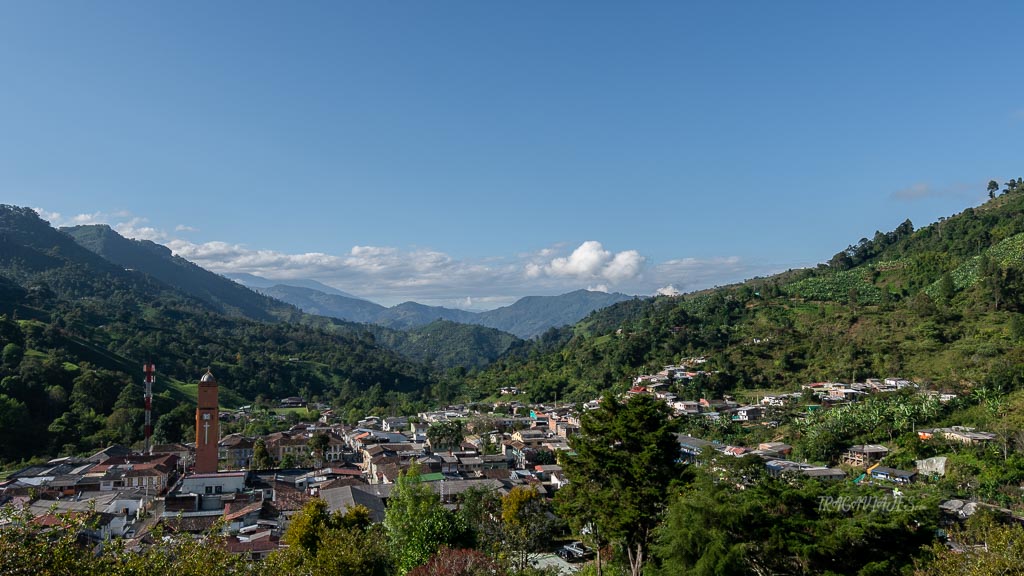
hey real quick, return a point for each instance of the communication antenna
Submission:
(150, 371)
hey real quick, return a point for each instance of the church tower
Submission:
(207, 425)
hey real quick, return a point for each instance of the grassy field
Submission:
(302, 412)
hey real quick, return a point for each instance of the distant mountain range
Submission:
(259, 282)
(526, 318)
(441, 337)
(258, 298)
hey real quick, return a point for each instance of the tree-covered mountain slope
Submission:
(223, 295)
(942, 304)
(446, 344)
(77, 329)
(531, 316)
(314, 301)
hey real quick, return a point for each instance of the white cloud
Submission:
(185, 228)
(135, 228)
(589, 261)
(390, 275)
(624, 265)
(669, 290)
(54, 218)
(123, 222)
(86, 219)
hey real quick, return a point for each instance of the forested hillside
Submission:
(444, 344)
(942, 304)
(223, 295)
(77, 329)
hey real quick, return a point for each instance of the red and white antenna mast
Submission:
(150, 371)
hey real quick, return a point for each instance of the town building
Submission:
(207, 425)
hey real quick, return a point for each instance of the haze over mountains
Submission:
(271, 300)
(259, 282)
(526, 318)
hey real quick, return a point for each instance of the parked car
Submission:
(574, 552)
(578, 548)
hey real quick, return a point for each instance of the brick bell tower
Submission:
(207, 425)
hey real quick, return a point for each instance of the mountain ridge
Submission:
(527, 318)
(943, 304)
(224, 295)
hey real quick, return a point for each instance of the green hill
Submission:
(223, 295)
(941, 304)
(77, 328)
(446, 344)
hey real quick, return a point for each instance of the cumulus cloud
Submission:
(138, 229)
(125, 223)
(589, 261)
(225, 257)
(185, 228)
(669, 290)
(54, 218)
(390, 275)
(87, 219)
(623, 266)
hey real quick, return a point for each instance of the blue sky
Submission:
(470, 153)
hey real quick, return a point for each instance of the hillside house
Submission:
(691, 448)
(775, 449)
(681, 407)
(962, 434)
(892, 474)
(293, 402)
(748, 413)
(864, 455)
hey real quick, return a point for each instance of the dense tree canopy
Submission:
(626, 463)
(416, 524)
